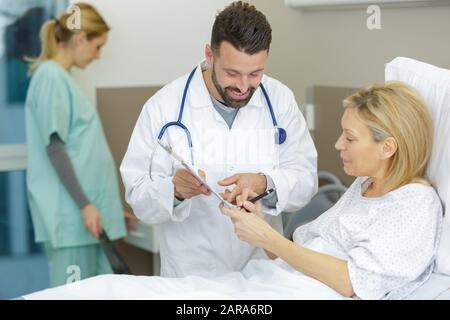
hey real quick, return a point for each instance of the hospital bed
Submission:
(434, 85)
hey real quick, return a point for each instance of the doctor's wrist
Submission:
(177, 196)
(262, 183)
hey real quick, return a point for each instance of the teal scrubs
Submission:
(66, 265)
(55, 104)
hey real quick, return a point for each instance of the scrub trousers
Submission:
(67, 265)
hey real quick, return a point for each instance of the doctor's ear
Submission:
(389, 147)
(209, 55)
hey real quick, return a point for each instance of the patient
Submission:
(377, 242)
(380, 239)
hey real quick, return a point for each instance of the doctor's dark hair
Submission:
(244, 27)
(394, 109)
(56, 31)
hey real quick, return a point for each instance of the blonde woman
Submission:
(380, 239)
(71, 177)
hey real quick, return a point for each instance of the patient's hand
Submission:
(253, 181)
(249, 225)
(253, 208)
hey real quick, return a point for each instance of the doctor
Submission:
(241, 127)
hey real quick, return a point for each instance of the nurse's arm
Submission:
(64, 169)
(60, 161)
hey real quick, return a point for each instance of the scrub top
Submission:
(55, 104)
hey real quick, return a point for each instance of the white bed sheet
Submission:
(437, 287)
(261, 279)
(230, 287)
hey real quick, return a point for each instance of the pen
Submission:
(262, 195)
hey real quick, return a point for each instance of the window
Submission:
(20, 23)
(23, 264)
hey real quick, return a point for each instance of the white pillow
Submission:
(433, 84)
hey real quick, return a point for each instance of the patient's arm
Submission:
(328, 269)
(252, 228)
(271, 255)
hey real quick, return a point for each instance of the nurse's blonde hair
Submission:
(394, 109)
(56, 31)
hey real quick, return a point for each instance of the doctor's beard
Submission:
(229, 101)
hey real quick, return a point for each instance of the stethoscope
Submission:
(280, 133)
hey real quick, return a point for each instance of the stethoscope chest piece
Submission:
(280, 136)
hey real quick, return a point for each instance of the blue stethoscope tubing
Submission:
(280, 133)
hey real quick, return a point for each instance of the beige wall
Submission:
(335, 48)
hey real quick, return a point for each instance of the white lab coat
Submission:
(195, 238)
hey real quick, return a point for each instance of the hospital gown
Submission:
(389, 242)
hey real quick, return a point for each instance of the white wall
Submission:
(151, 42)
(155, 41)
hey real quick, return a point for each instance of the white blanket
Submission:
(261, 279)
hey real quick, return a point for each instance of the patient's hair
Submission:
(57, 31)
(244, 27)
(394, 109)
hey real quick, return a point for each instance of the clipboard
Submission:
(194, 172)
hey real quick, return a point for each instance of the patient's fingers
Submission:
(239, 201)
(224, 210)
(251, 207)
(233, 214)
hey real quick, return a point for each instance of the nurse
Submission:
(71, 177)
(241, 127)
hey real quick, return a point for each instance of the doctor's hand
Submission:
(186, 186)
(250, 226)
(253, 181)
(92, 220)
